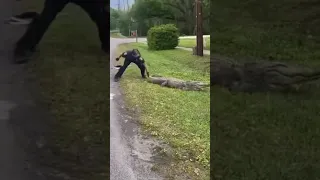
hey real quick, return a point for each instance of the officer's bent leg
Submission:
(142, 68)
(39, 26)
(123, 68)
(100, 16)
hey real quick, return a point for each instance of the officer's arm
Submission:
(124, 54)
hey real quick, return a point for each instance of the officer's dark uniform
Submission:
(131, 57)
(96, 9)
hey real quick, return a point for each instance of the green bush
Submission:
(163, 37)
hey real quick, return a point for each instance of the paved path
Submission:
(207, 52)
(130, 153)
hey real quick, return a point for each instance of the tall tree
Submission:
(180, 12)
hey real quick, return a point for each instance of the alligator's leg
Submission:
(164, 83)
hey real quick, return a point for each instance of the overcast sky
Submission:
(114, 3)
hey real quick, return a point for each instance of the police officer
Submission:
(96, 9)
(131, 56)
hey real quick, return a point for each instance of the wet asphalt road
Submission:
(18, 111)
(12, 156)
(130, 153)
(23, 121)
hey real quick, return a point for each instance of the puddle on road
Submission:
(5, 107)
(149, 150)
(146, 151)
(112, 96)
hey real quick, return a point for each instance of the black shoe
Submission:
(105, 49)
(22, 57)
(116, 79)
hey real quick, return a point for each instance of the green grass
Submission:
(73, 75)
(190, 43)
(264, 135)
(178, 117)
(116, 35)
(253, 34)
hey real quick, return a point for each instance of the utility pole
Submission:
(118, 5)
(199, 24)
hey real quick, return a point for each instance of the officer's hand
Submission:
(117, 59)
(141, 59)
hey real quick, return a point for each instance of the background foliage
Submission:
(145, 14)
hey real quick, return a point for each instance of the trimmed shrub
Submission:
(163, 37)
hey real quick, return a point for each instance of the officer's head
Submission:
(136, 52)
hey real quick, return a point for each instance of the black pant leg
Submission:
(40, 25)
(142, 67)
(98, 14)
(123, 68)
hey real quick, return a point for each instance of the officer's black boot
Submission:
(22, 56)
(116, 78)
(105, 48)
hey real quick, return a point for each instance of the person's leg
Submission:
(37, 28)
(122, 69)
(98, 13)
(142, 68)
